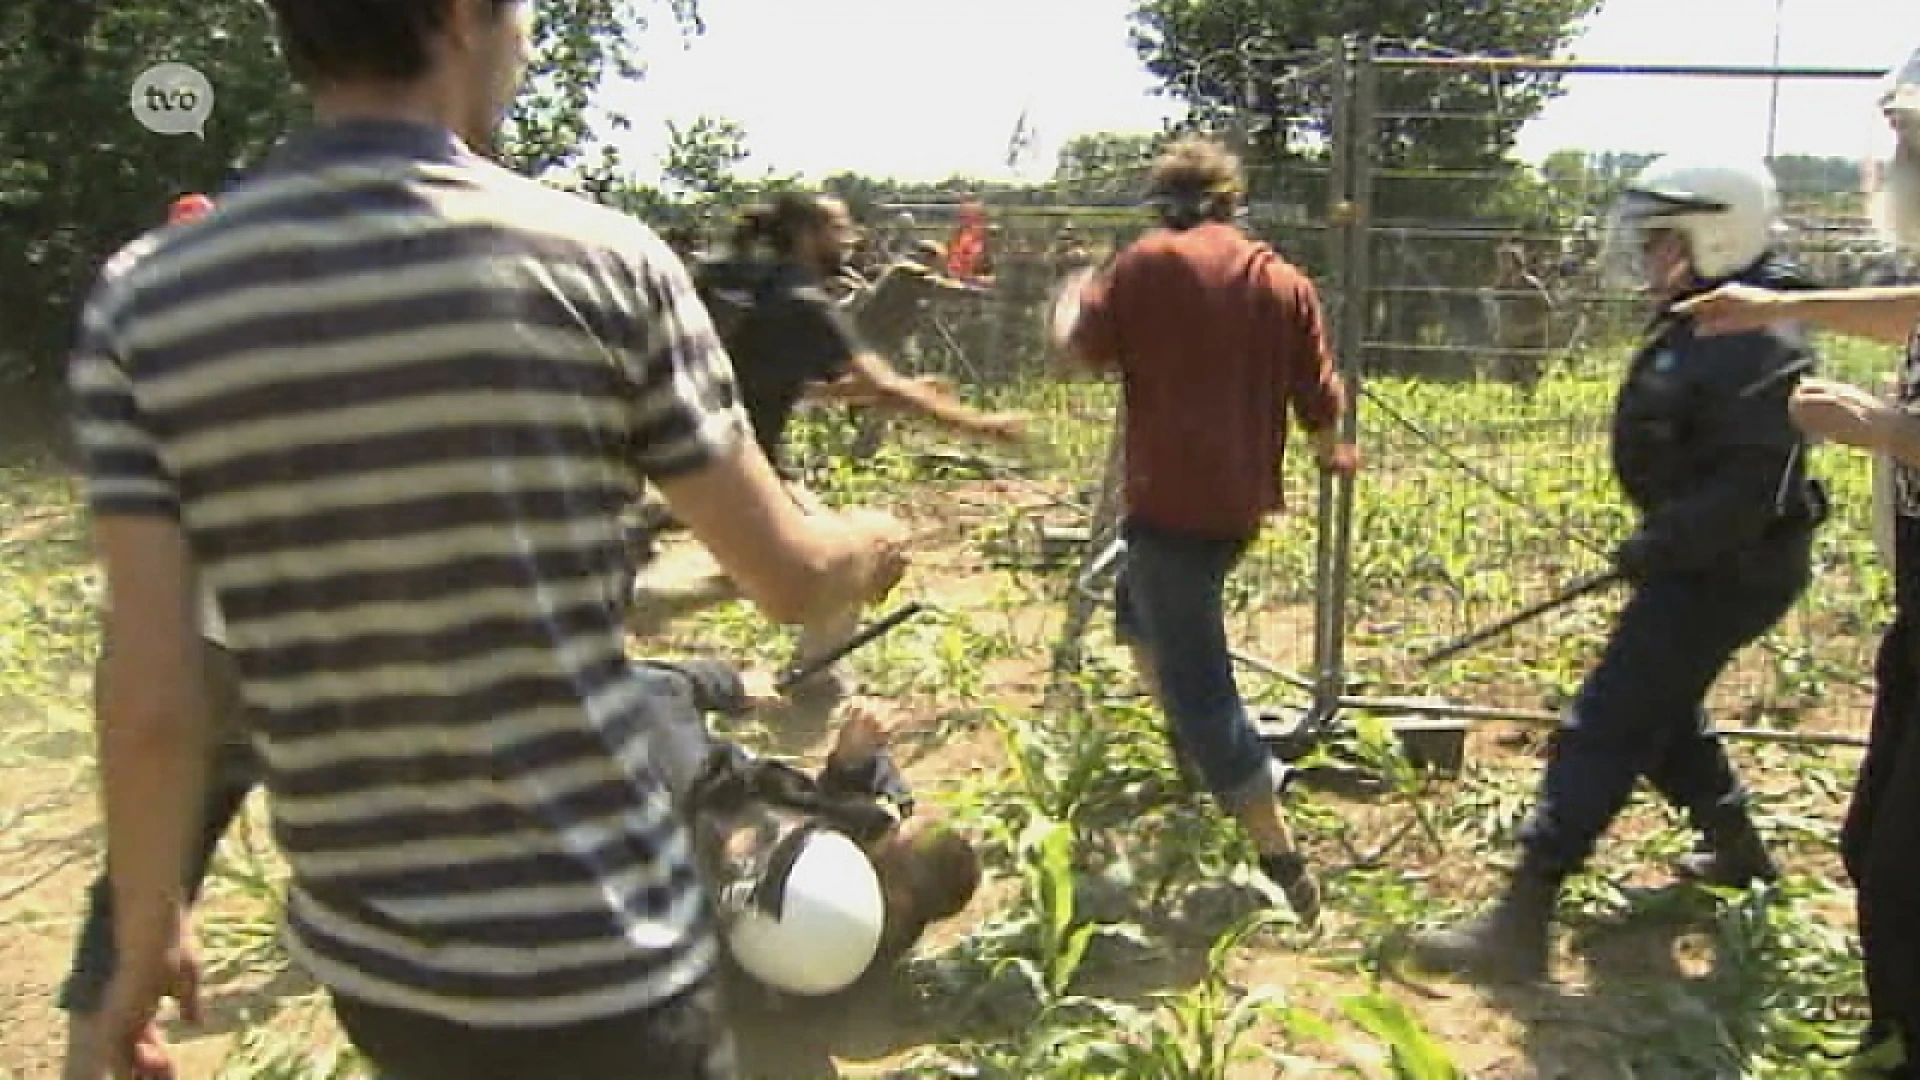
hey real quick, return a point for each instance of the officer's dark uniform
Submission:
(1706, 452)
(1704, 449)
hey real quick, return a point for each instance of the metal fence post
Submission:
(1353, 137)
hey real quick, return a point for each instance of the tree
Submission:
(702, 158)
(1253, 60)
(1105, 168)
(79, 177)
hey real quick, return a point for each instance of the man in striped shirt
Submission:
(387, 405)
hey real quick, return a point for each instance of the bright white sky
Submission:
(924, 89)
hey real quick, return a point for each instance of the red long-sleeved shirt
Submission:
(1216, 339)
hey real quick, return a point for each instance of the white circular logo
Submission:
(172, 99)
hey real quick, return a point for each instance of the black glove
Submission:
(1638, 558)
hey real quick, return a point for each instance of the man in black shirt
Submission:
(791, 342)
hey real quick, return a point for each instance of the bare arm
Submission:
(790, 564)
(1886, 315)
(1089, 345)
(871, 378)
(155, 738)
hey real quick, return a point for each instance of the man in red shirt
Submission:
(1215, 339)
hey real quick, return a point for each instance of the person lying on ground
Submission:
(819, 879)
(854, 907)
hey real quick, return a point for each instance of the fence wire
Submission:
(1471, 313)
(1490, 355)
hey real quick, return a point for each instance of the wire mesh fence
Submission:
(1486, 346)
(1488, 352)
(1465, 292)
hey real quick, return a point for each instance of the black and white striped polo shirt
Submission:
(398, 397)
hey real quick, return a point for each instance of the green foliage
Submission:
(1241, 55)
(1105, 168)
(79, 177)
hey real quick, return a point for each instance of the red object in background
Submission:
(189, 207)
(968, 248)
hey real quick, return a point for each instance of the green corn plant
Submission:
(242, 934)
(295, 1051)
(1203, 1032)
(1411, 1051)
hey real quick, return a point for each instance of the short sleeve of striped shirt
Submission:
(124, 474)
(689, 411)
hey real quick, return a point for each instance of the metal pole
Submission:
(1358, 287)
(1338, 253)
(1081, 601)
(1773, 99)
(1481, 64)
(1428, 707)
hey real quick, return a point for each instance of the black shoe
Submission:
(1289, 871)
(1507, 944)
(1732, 855)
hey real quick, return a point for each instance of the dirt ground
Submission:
(1570, 1031)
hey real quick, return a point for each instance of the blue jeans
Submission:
(1169, 602)
(1640, 712)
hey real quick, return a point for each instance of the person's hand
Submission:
(1732, 309)
(131, 1044)
(845, 390)
(879, 543)
(1341, 459)
(865, 730)
(761, 689)
(1334, 456)
(1836, 412)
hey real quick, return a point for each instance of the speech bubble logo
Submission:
(172, 99)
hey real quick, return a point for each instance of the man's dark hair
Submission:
(928, 875)
(781, 223)
(330, 41)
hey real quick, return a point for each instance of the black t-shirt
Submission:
(795, 335)
(1906, 498)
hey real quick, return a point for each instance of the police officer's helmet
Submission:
(1726, 210)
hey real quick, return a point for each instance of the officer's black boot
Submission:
(1508, 943)
(1732, 856)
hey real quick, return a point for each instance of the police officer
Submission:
(1704, 449)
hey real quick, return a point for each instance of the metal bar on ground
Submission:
(1591, 584)
(863, 636)
(1544, 717)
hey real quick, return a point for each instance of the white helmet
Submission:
(1726, 210)
(809, 921)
